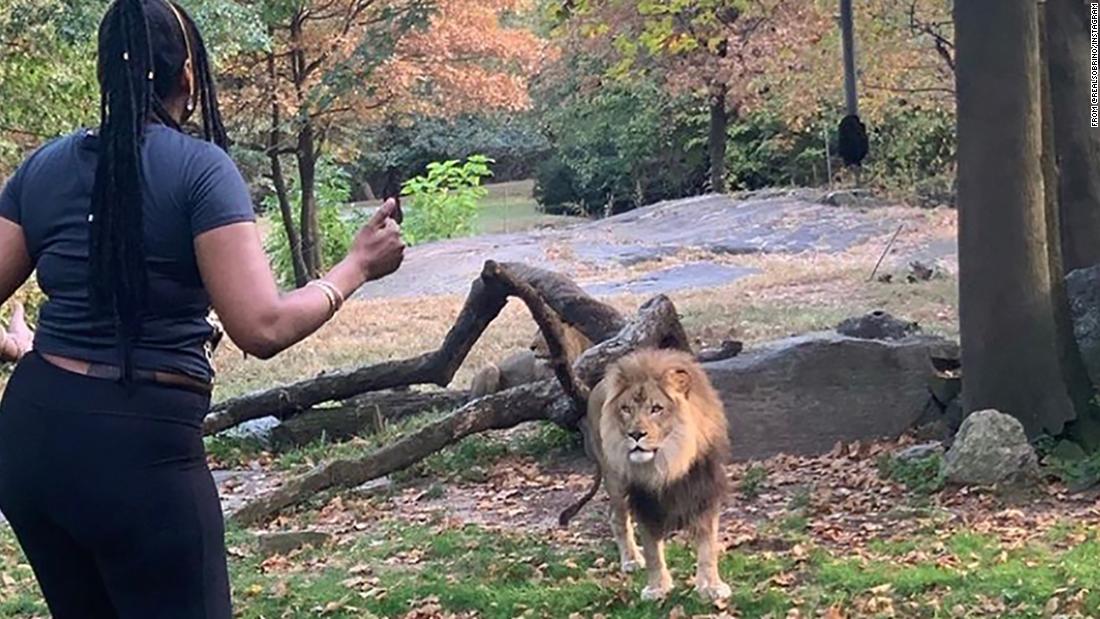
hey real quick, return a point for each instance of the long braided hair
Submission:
(143, 48)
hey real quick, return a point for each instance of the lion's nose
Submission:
(636, 435)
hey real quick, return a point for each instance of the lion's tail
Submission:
(568, 513)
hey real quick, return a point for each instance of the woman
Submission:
(135, 230)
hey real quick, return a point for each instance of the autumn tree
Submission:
(47, 83)
(717, 50)
(335, 67)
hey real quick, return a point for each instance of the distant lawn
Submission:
(508, 207)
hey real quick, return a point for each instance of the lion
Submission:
(658, 433)
(526, 366)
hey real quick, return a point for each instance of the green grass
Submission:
(509, 207)
(391, 569)
(468, 459)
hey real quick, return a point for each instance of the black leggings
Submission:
(109, 495)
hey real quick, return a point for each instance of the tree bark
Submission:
(368, 413)
(307, 177)
(1007, 321)
(1078, 384)
(306, 154)
(1077, 142)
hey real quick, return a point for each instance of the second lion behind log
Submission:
(658, 431)
(526, 366)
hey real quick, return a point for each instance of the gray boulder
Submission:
(990, 448)
(802, 395)
(877, 325)
(1083, 289)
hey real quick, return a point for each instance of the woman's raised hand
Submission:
(378, 247)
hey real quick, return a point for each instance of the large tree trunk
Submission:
(1077, 143)
(1078, 384)
(1007, 321)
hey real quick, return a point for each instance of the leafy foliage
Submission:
(392, 152)
(47, 63)
(444, 201)
(338, 226)
(753, 482)
(625, 145)
(921, 476)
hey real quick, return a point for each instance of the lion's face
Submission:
(647, 416)
(659, 414)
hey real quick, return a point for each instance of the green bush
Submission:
(337, 226)
(627, 144)
(921, 476)
(912, 152)
(443, 202)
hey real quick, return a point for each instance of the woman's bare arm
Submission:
(15, 268)
(260, 320)
(15, 262)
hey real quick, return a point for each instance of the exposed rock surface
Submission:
(803, 394)
(990, 448)
(877, 325)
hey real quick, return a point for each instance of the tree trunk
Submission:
(1007, 320)
(307, 176)
(274, 146)
(306, 152)
(716, 142)
(1077, 143)
(294, 240)
(1078, 384)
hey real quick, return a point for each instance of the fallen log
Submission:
(655, 325)
(488, 296)
(498, 411)
(365, 414)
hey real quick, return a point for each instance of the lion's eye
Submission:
(657, 409)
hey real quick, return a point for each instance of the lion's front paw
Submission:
(632, 564)
(714, 591)
(653, 593)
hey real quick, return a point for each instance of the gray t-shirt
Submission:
(191, 186)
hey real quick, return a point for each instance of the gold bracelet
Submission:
(328, 295)
(336, 294)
